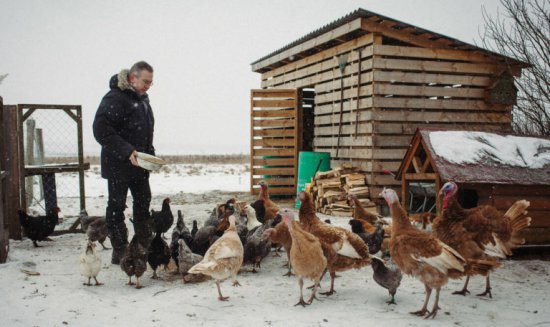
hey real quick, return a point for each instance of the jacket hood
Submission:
(120, 80)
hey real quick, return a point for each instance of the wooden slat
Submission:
(541, 202)
(435, 66)
(273, 123)
(273, 103)
(377, 179)
(317, 41)
(274, 171)
(275, 181)
(274, 152)
(346, 117)
(273, 93)
(344, 141)
(269, 142)
(539, 218)
(409, 128)
(47, 106)
(420, 177)
(273, 113)
(277, 190)
(386, 154)
(428, 91)
(455, 117)
(416, 52)
(349, 81)
(522, 192)
(273, 132)
(364, 103)
(348, 94)
(536, 236)
(446, 104)
(426, 78)
(273, 162)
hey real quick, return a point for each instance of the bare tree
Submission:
(523, 32)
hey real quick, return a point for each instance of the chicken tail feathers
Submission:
(482, 267)
(516, 214)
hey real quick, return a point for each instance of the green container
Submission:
(308, 164)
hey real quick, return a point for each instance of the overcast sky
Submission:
(65, 51)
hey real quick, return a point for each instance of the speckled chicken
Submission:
(421, 254)
(180, 231)
(386, 275)
(134, 261)
(306, 256)
(186, 260)
(482, 234)
(95, 227)
(256, 246)
(342, 248)
(223, 259)
(90, 264)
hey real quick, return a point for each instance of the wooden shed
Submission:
(488, 168)
(360, 86)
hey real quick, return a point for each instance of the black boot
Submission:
(143, 228)
(118, 234)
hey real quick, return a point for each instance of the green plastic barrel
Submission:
(308, 164)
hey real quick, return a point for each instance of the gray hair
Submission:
(139, 66)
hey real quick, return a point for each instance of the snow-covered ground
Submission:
(56, 297)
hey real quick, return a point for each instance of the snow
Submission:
(461, 147)
(57, 297)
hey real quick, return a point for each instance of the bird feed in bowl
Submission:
(149, 162)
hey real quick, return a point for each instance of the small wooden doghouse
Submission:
(485, 175)
(360, 86)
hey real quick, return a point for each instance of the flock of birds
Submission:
(461, 243)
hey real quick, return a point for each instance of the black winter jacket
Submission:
(123, 123)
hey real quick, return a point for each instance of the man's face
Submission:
(142, 82)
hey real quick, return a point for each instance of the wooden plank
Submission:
(539, 218)
(534, 236)
(522, 192)
(426, 78)
(273, 103)
(273, 162)
(409, 128)
(272, 93)
(273, 113)
(365, 153)
(428, 91)
(274, 181)
(378, 179)
(455, 117)
(349, 81)
(307, 45)
(269, 142)
(12, 183)
(47, 106)
(273, 132)
(274, 152)
(274, 171)
(362, 128)
(364, 103)
(349, 94)
(437, 53)
(361, 41)
(347, 117)
(436, 66)
(447, 104)
(277, 190)
(540, 202)
(344, 141)
(420, 176)
(273, 122)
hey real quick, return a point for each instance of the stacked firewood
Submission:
(330, 190)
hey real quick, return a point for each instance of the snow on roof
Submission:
(464, 147)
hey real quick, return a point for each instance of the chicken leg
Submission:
(138, 285)
(424, 308)
(313, 293)
(130, 281)
(464, 290)
(331, 291)
(487, 289)
(220, 296)
(436, 307)
(301, 302)
(96, 282)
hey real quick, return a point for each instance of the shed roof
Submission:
(380, 20)
(486, 158)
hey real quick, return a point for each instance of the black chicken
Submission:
(179, 232)
(158, 254)
(387, 277)
(40, 227)
(163, 219)
(194, 229)
(201, 241)
(134, 261)
(374, 240)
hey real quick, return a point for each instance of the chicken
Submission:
(95, 227)
(187, 259)
(387, 277)
(158, 254)
(223, 224)
(374, 240)
(256, 246)
(259, 208)
(360, 213)
(180, 231)
(218, 212)
(306, 256)
(201, 241)
(194, 229)
(481, 234)
(90, 264)
(344, 250)
(271, 209)
(421, 254)
(164, 218)
(40, 227)
(281, 235)
(134, 261)
(223, 259)
(252, 222)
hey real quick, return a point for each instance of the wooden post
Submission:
(4, 245)
(39, 160)
(29, 160)
(80, 159)
(11, 162)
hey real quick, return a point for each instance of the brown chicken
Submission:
(343, 249)
(360, 213)
(281, 235)
(306, 256)
(421, 255)
(271, 209)
(480, 233)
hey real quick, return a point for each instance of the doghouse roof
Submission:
(360, 22)
(479, 157)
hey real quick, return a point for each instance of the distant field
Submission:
(171, 159)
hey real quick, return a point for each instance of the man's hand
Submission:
(133, 158)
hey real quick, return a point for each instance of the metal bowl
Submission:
(149, 162)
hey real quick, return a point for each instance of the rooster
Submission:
(163, 219)
(344, 250)
(90, 264)
(40, 227)
(420, 254)
(306, 256)
(481, 233)
(271, 209)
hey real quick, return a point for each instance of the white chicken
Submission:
(90, 264)
(223, 259)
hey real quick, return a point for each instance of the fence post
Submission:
(39, 160)
(4, 240)
(29, 160)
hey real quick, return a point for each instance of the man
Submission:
(123, 125)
